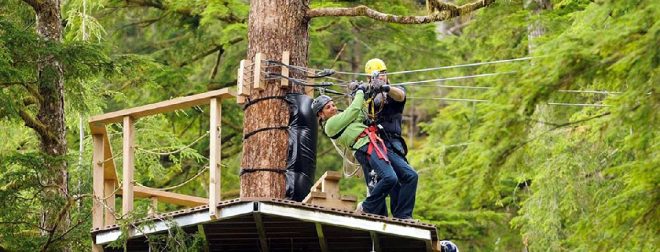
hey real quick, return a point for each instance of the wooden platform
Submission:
(281, 225)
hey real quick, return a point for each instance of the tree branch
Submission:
(214, 70)
(158, 4)
(211, 51)
(33, 3)
(36, 125)
(444, 11)
(60, 216)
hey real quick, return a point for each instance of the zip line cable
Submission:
(325, 73)
(479, 100)
(560, 91)
(444, 67)
(450, 78)
(306, 70)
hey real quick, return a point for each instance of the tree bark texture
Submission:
(274, 26)
(535, 28)
(50, 117)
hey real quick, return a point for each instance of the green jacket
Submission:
(351, 121)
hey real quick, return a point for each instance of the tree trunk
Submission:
(535, 28)
(51, 115)
(274, 26)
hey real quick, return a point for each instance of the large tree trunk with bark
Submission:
(274, 26)
(49, 123)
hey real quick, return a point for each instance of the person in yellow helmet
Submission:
(388, 106)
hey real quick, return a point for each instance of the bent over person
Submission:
(349, 130)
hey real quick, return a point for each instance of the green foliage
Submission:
(503, 175)
(583, 177)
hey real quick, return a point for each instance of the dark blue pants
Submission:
(387, 179)
(402, 196)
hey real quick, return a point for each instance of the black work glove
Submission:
(377, 84)
(385, 88)
(362, 87)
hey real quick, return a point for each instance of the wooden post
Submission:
(285, 70)
(109, 196)
(153, 209)
(97, 181)
(128, 165)
(258, 83)
(214, 157)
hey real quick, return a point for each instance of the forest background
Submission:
(558, 152)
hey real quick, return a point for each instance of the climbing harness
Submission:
(375, 143)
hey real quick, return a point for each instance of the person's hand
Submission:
(377, 83)
(353, 85)
(385, 88)
(363, 87)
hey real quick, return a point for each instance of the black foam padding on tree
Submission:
(301, 158)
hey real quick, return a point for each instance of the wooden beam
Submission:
(242, 82)
(214, 156)
(322, 241)
(97, 181)
(259, 83)
(167, 197)
(96, 248)
(261, 231)
(153, 208)
(285, 70)
(109, 187)
(162, 107)
(309, 90)
(128, 164)
(109, 170)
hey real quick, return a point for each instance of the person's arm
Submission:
(397, 94)
(338, 122)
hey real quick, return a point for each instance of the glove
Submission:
(377, 83)
(363, 87)
(353, 85)
(385, 88)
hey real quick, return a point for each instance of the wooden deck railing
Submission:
(105, 180)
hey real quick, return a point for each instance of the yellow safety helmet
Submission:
(374, 64)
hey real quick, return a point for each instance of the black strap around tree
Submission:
(252, 102)
(251, 133)
(251, 170)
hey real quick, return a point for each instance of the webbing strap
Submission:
(375, 143)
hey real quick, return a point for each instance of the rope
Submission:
(346, 160)
(110, 158)
(181, 184)
(174, 151)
